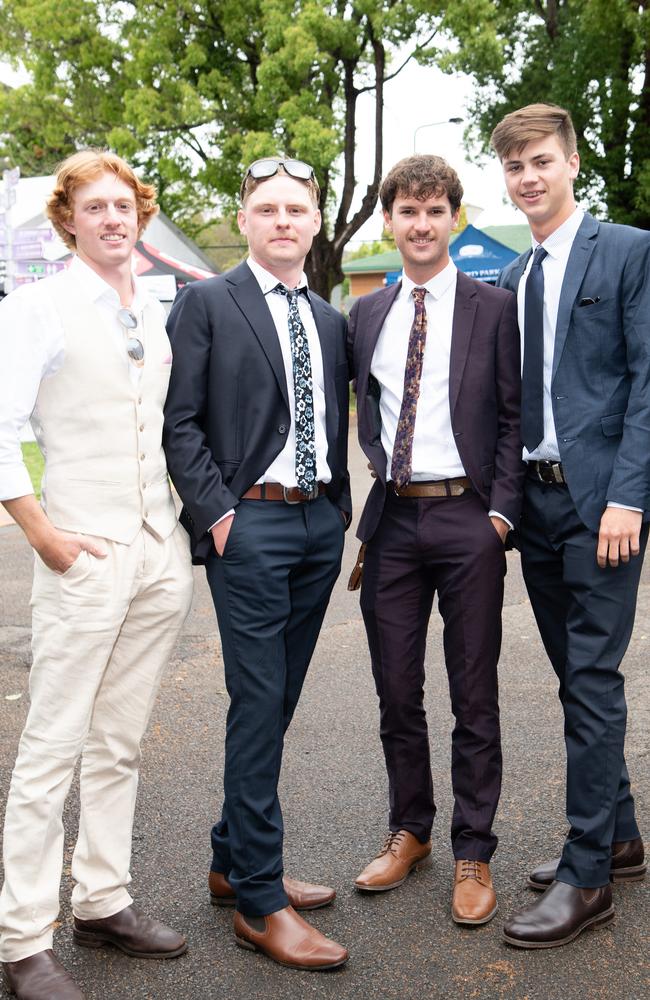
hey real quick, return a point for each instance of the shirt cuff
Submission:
(495, 513)
(624, 506)
(222, 518)
(15, 482)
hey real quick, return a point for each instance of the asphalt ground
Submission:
(403, 944)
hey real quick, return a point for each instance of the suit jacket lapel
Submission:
(246, 292)
(369, 332)
(461, 334)
(325, 323)
(581, 251)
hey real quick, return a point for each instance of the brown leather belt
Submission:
(290, 494)
(439, 488)
(546, 471)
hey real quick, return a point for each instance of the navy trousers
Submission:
(270, 589)
(585, 617)
(421, 546)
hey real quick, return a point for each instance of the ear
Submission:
(574, 165)
(69, 228)
(318, 221)
(388, 221)
(241, 221)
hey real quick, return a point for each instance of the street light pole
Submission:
(446, 121)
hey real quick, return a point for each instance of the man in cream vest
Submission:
(85, 354)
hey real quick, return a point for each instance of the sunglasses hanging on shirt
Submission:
(134, 347)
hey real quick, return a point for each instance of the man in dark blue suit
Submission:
(584, 314)
(256, 441)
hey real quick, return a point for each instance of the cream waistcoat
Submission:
(101, 437)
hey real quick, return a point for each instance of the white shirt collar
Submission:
(93, 287)
(561, 239)
(268, 281)
(436, 286)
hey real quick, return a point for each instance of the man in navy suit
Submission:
(584, 315)
(436, 359)
(256, 441)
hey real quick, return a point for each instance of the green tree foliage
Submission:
(590, 56)
(192, 90)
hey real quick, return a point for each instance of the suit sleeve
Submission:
(509, 470)
(629, 484)
(193, 470)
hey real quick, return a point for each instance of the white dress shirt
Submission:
(435, 455)
(283, 468)
(32, 348)
(558, 247)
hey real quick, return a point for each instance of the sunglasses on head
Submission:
(261, 169)
(134, 347)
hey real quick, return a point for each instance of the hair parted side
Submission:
(529, 124)
(421, 177)
(86, 166)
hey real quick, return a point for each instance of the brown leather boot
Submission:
(132, 932)
(302, 895)
(288, 939)
(400, 854)
(627, 865)
(474, 900)
(40, 977)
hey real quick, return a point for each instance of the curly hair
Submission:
(421, 177)
(84, 167)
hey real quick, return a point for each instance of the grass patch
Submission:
(34, 462)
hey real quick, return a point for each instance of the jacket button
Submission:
(282, 429)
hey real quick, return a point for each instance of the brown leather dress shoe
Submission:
(474, 900)
(288, 939)
(399, 856)
(302, 895)
(628, 865)
(132, 932)
(557, 917)
(40, 977)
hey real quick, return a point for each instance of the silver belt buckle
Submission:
(313, 493)
(557, 472)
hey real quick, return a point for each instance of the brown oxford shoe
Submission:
(400, 854)
(132, 932)
(557, 917)
(474, 900)
(302, 895)
(288, 939)
(40, 977)
(628, 865)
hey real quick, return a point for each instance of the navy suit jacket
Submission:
(484, 393)
(601, 367)
(227, 411)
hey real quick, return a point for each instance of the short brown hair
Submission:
(421, 177)
(86, 166)
(529, 124)
(250, 184)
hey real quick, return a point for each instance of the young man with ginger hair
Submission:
(86, 357)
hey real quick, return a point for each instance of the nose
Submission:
(111, 214)
(422, 222)
(282, 217)
(528, 173)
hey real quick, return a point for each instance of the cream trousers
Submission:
(102, 634)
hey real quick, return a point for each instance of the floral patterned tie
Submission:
(303, 394)
(400, 470)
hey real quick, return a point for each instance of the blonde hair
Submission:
(529, 124)
(86, 166)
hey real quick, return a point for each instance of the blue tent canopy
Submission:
(478, 255)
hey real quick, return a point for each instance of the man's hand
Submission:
(220, 533)
(618, 538)
(501, 527)
(59, 549)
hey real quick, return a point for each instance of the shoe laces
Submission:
(470, 869)
(392, 840)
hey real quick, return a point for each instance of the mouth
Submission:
(112, 237)
(421, 241)
(531, 195)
